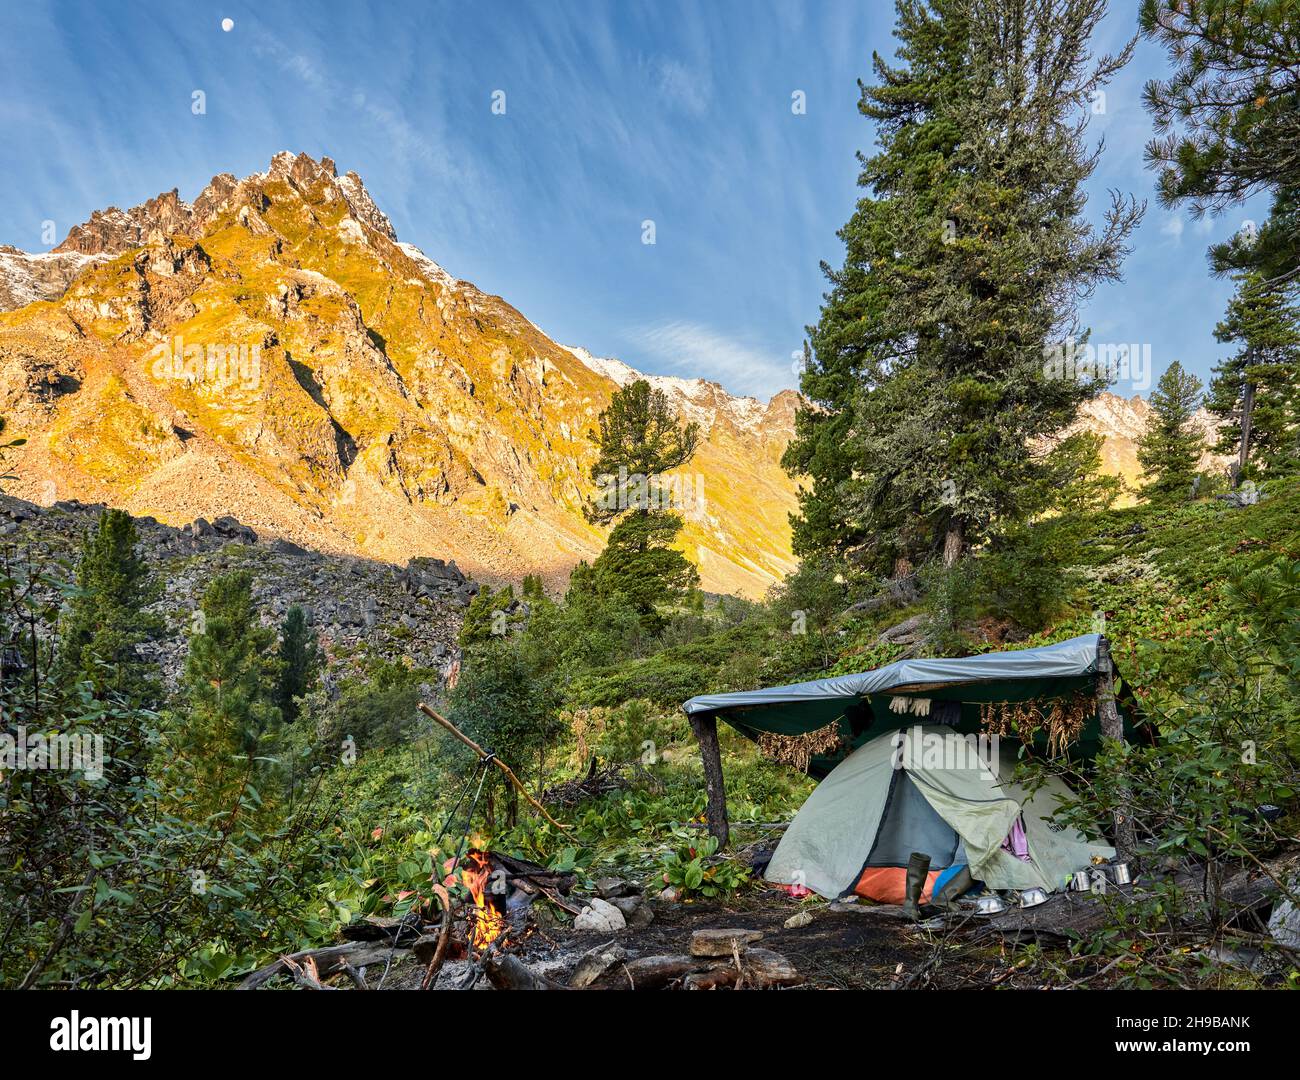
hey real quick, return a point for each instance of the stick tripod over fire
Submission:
(486, 923)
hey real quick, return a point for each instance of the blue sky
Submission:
(615, 113)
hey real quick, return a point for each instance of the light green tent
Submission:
(927, 788)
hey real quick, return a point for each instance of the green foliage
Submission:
(1227, 121)
(226, 718)
(1170, 447)
(926, 382)
(509, 708)
(373, 714)
(103, 885)
(695, 869)
(1258, 389)
(808, 602)
(639, 441)
(638, 566)
(106, 623)
(491, 615)
(1229, 724)
(300, 662)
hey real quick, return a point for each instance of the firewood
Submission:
(722, 942)
(506, 972)
(329, 961)
(717, 978)
(594, 963)
(648, 973)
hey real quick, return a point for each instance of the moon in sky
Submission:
(227, 25)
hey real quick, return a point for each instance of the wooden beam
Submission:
(706, 734)
(1112, 727)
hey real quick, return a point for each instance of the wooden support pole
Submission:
(706, 734)
(1112, 727)
(510, 775)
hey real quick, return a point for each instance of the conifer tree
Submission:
(965, 258)
(1256, 392)
(105, 622)
(227, 692)
(1227, 122)
(640, 440)
(1171, 447)
(299, 662)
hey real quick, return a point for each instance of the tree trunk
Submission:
(1112, 727)
(706, 734)
(953, 542)
(1247, 413)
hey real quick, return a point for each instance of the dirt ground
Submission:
(839, 950)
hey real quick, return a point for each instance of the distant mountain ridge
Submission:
(395, 410)
(1121, 421)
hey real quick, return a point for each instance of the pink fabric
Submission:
(1017, 843)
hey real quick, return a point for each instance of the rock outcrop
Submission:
(270, 351)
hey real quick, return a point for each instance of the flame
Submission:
(486, 923)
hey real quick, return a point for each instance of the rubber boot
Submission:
(918, 866)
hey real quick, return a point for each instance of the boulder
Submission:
(764, 968)
(601, 917)
(607, 888)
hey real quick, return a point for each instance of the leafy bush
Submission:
(696, 870)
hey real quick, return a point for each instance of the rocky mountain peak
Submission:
(112, 231)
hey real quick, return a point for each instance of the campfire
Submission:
(485, 920)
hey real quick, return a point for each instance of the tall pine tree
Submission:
(640, 440)
(1256, 392)
(1227, 122)
(227, 709)
(964, 263)
(105, 623)
(1171, 447)
(299, 662)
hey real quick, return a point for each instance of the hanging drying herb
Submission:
(799, 750)
(1061, 724)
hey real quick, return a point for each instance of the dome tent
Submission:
(833, 840)
(927, 788)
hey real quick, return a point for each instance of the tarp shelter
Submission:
(860, 705)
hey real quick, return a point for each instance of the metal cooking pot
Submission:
(1033, 897)
(1081, 881)
(1120, 873)
(990, 905)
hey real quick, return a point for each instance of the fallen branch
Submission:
(328, 961)
(444, 939)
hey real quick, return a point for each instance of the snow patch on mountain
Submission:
(428, 267)
(27, 277)
(699, 399)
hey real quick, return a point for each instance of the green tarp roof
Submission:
(861, 701)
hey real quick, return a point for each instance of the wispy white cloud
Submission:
(694, 351)
(1173, 226)
(682, 87)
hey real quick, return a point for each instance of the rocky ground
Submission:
(355, 604)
